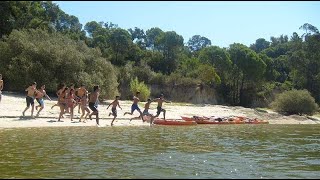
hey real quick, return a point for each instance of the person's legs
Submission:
(113, 120)
(62, 107)
(41, 102)
(141, 115)
(133, 107)
(82, 113)
(28, 106)
(71, 112)
(114, 113)
(97, 117)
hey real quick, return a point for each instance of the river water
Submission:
(201, 151)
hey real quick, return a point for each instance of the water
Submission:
(202, 151)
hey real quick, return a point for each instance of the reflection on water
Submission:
(203, 151)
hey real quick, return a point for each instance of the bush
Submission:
(135, 86)
(295, 102)
(50, 58)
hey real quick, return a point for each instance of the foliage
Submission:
(35, 55)
(38, 40)
(295, 102)
(144, 90)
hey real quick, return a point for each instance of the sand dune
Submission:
(12, 105)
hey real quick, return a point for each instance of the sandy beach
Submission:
(12, 105)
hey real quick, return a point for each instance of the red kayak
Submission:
(231, 120)
(173, 122)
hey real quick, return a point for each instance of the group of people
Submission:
(69, 98)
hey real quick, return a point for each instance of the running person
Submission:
(93, 103)
(146, 111)
(84, 107)
(80, 92)
(30, 98)
(70, 102)
(62, 102)
(135, 106)
(60, 89)
(160, 100)
(114, 104)
(39, 97)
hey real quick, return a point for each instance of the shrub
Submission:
(295, 102)
(135, 86)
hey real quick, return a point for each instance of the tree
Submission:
(152, 35)
(138, 36)
(198, 42)
(120, 43)
(260, 45)
(248, 68)
(218, 58)
(169, 43)
(310, 29)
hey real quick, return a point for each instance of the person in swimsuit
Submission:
(60, 89)
(30, 98)
(93, 103)
(70, 102)
(39, 97)
(62, 102)
(160, 100)
(1, 86)
(80, 92)
(135, 106)
(146, 111)
(114, 104)
(84, 107)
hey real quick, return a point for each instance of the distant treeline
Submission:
(39, 42)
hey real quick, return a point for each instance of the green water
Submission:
(202, 151)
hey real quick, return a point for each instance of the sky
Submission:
(223, 22)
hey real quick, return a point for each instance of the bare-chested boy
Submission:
(135, 106)
(93, 103)
(1, 86)
(60, 89)
(84, 107)
(146, 111)
(39, 97)
(30, 97)
(160, 100)
(114, 104)
(80, 92)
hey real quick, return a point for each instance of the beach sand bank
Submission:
(13, 104)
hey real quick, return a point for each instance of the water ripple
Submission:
(240, 151)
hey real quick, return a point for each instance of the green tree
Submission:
(260, 45)
(144, 90)
(197, 43)
(247, 72)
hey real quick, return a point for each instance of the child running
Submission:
(146, 111)
(62, 102)
(70, 102)
(135, 106)
(60, 89)
(84, 106)
(30, 98)
(39, 97)
(93, 103)
(80, 92)
(160, 100)
(114, 104)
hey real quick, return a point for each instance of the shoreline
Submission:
(13, 104)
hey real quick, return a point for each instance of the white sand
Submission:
(11, 108)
